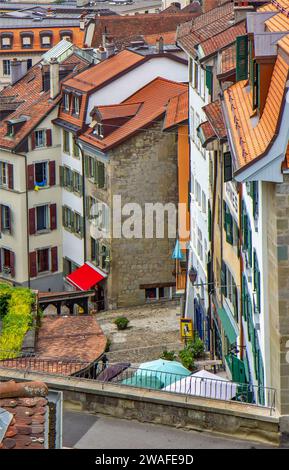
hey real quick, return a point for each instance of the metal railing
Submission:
(166, 382)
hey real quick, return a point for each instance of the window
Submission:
(158, 293)
(69, 266)
(40, 140)
(196, 76)
(43, 260)
(6, 41)
(66, 35)
(67, 178)
(5, 218)
(42, 218)
(7, 259)
(27, 41)
(200, 244)
(228, 224)
(94, 250)
(71, 180)
(41, 173)
(78, 229)
(46, 39)
(3, 174)
(66, 102)
(232, 294)
(98, 130)
(6, 68)
(76, 105)
(76, 151)
(204, 203)
(29, 64)
(68, 218)
(77, 182)
(66, 142)
(95, 170)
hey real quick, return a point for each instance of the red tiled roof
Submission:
(168, 38)
(118, 111)
(223, 39)
(207, 133)
(177, 110)
(215, 117)
(205, 26)
(34, 103)
(154, 98)
(104, 71)
(228, 61)
(27, 404)
(123, 29)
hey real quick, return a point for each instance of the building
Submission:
(255, 110)
(26, 36)
(30, 416)
(30, 153)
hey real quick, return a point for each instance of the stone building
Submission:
(129, 157)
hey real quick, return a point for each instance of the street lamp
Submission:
(193, 275)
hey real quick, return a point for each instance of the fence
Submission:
(125, 375)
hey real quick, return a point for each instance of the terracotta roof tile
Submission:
(25, 406)
(154, 98)
(169, 37)
(222, 39)
(117, 111)
(228, 61)
(33, 102)
(215, 117)
(201, 28)
(177, 110)
(252, 142)
(124, 29)
(207, 133)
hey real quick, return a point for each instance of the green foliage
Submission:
(108, 344)
(5, 294)
(121, 323)
(187, 358)
(168, 355)
(197, 347)
(17, 318)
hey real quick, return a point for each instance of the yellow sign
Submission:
(186, 328)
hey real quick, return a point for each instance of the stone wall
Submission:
(143, 170)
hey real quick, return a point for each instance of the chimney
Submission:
(81, 21)
(160, 45)
(109, 47)
(17, 70)
(101, 53)
(54, 78)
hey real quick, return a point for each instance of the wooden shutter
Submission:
(101, 175)
(54, 259)
(48, 138)
(61, 176)
(227, 167)
(33, 264)
(53, 216)
(224, 279)
(241, 58)
(32, 221)
(10, 176)
(209, 79)
(12, 263)
(52, 173)
(30, 177)
(33, 141)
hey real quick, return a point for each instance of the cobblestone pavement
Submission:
(152, 328)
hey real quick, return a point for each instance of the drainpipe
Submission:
(213, 215)
(241, 276)
(27, 215)
(83, 199)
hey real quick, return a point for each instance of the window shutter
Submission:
(241, 57)
(86, 166)
(209, 79)
(53, 217)
(227, 167)
(63, 216)
(229, 228)
(255, 199)
(61, 176)
(244, 298)
(95, 163)
(81, 227)
(52, 173)
(54, 259)
(1, 208)
(30, 177)
(33, 264)
(101, 175)
(224, 279)
(33, 141)
(48, 138)
(10, 176)
(12, 263)
(32, 221)
(210, 222)
(250, 246)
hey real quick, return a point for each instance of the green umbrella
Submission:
(167, 372)
(144, 381)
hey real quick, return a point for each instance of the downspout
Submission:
(27, 215)
(241, 275)
(83, 198)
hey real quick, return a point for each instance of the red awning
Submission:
(85, 277)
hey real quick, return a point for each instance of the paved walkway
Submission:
(86, 431)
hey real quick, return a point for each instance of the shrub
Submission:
(187, 358)
(5, 294)
(197, 347)
(168, 355)
(17, 320)
(121, 323)
(108, 344)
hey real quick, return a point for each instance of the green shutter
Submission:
(227, 167)
(241, 58)
(209, 78)
(61, 175)
(229, 228)
(251, 64)
(224, 279)
(244, 298)
(63, 216)
(250, 246)
(95, 176)
(209, 222)
(81, 226)
(101, 175)
(86, 166)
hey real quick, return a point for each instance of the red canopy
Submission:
(85, 277)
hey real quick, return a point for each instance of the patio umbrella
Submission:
(144, 381)
(168, 372)
(113, 371)
(205, 384)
